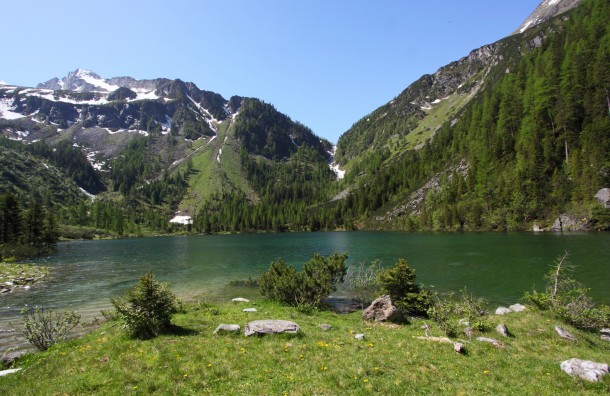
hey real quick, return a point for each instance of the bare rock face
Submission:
(545, 11)
(271, 326)
(585, 369)
(381, 310)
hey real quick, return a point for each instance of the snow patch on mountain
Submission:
(335, 166)
(546, 10)
(6, 110)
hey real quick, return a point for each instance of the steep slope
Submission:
(518, 135)
(162, 144)
(547, 10)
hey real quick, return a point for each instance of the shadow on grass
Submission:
(180, 331)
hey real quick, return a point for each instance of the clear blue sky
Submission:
(325, 63)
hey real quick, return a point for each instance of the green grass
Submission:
(390, 361)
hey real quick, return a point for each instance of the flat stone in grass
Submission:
(240, 299)
(271, 326)
(585, 369)
(325, 327)
(495, 343)
(227, 328)
(249, 309)
(7, 372)
(563, 333)
(359, 336)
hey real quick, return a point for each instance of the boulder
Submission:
(517, 308)
(605, 334)
(502, 330)
(227, 328)
(563, 333)
(459, 347)
(603, 196)
(381, 310)
(240, 299)
(585, 369)
(271, 326)
(503, 311)
(10, 357)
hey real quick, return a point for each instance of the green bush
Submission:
(568, 299)
(43, 327)
(319, 278)
(448, 312)
(399, 282)
(361, 281)
(147, 309)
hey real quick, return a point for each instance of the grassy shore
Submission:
(389, 361)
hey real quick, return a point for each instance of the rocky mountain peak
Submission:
(546, 10)
(80, 80)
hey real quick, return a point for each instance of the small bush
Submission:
(447, 313)
(306, 289)
(362, 281)
(568, 299)
(147, 309)
(399, 282)
(43, 327)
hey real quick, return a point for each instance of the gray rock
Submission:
(7, 372)
(585, 369)
(240, 299)
(517, 308)
(325, 327)
(495, 343)
(464, 322)
(503, 311)
(249, 309)
(605, 334)
(381, 310)
(603, 196)
(563, 333)
(10, 357)
(227, 328)
(271, 326)
(359, 336)
(459, 347)
(502, 330)
(468, 332)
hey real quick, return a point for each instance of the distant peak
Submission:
(546, 10)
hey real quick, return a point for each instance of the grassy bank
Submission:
(14, 276)
(388, 361)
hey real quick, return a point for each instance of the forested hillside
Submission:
(533, 143)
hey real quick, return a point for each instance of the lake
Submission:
(496, 266)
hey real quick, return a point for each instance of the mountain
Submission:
(512, 135)
(545, 11)
(163, 144)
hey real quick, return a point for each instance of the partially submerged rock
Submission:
(271, 326)
(381, 310)
(563, 333)
(585, 369)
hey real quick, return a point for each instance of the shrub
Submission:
(319, 278)
(399, 282)
(362, 281)
(43, 327)
(147, 308)
(568, 299)
(447, 312)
